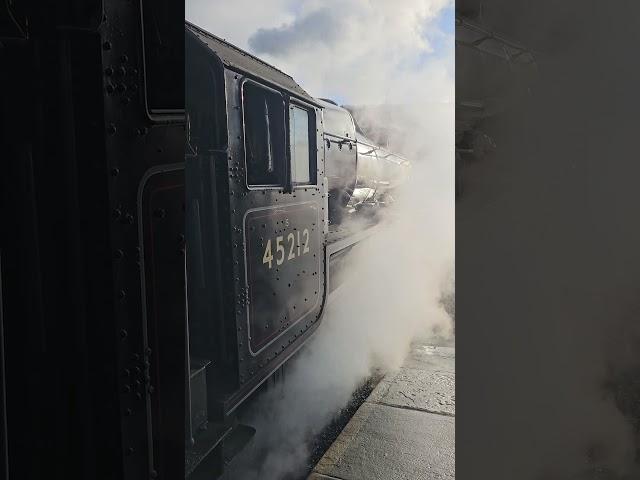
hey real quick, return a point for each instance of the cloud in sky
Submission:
(362, 51)
(321, 26)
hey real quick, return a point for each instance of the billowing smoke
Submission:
(394, 62)
(552, 392)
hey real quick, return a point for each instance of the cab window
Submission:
(300, 136)
(264, 136)
(163, 55)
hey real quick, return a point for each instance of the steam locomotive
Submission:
(175, 215)
(270, 194)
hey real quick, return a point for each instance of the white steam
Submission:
(365, 53)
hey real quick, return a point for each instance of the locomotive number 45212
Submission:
(293, 244)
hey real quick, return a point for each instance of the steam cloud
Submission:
(558, 319)
(394, 57)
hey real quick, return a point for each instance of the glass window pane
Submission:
(300, 158)
(264, 136)
(164, 54)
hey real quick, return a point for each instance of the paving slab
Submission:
(405, 430)
(425, 382)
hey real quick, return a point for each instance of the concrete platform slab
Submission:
(426, 381)
(406, 428)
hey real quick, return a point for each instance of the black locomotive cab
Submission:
(256, 223)
(270, 174)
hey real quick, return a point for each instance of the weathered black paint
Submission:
(280, 296)
(225, 207)
(162, 212)
(78, 139)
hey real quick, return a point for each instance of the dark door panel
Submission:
(282, 260)
(162, 379)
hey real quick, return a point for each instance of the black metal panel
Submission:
(340, 157)
(198, 409)
(57, 304)
(139, 143)
(244, 62)
(162, 217)
(338, 121)
(10, 24)
(23, 19)
(212, 334)
(283, 259)
(79, 143)
(222, 206)
(255, 366)
(4, 447)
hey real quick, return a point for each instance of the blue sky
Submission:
(446, 20)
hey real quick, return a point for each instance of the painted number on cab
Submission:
(286, 248)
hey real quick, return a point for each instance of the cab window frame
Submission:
(161, 108)
(288, 101)
(312, 143)
(284, 175)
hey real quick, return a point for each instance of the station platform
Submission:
(405, 430)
